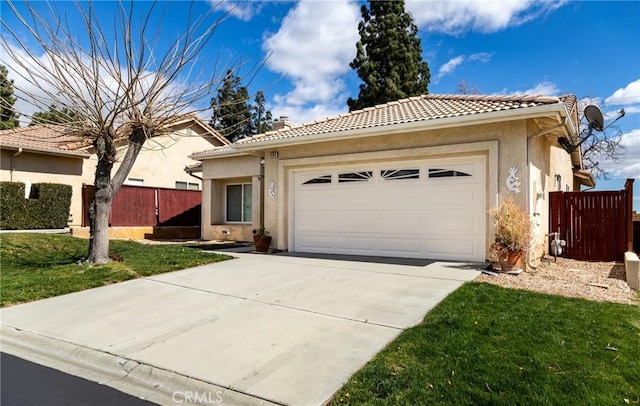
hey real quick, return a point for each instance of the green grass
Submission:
(486, 345)
(37, 266)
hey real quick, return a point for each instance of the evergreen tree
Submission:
(54, 116)
(262, 120)
(233, 114)
(389, 56)
(8, 116)
(231, 109)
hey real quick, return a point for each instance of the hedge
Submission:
(47, 206)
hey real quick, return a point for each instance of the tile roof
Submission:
(420, 108)
(46, 138)
(60, 139)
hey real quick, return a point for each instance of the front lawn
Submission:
(37, 266)
(487, 345)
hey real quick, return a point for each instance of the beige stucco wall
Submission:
(32, 168)
(234, 170)
(504, 145)
(546, 161)
(161, 161)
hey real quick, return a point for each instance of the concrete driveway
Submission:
(258, 329)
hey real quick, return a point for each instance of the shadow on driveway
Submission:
(360, 258)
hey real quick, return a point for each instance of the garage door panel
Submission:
(315, 199)
(407, 222)
(355, 243)
(315, 242)
(439, 217)
(450, 198)
(336, 222)
(452, 249)
(400, 199)
(451, 223)
(400, 245)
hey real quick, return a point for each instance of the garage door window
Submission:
(396, 174)
(445, 173)
(355, 176)
(318, 180)
(239, 203)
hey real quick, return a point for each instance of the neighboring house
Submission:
(48, 153)
(412, 178)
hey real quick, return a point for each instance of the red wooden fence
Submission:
(594, 224)
(133, 206)
(148, 206)
(173, 203)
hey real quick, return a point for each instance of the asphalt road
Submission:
(25, 383)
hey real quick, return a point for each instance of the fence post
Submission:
(628, 187)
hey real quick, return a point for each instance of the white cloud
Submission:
(542, 88)
(242, 10)
(629, 165)
(453, 63)
(313, 47)
(628, 95)
(449, 66)
(456, 17)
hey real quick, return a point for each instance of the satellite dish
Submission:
(596, 122)
(594, 117)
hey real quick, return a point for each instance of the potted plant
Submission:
(512, 234)
(261, 240)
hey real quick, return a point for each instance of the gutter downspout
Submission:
(195, 176)
(563, 122)
(13, 166)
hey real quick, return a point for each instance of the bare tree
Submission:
(464, 87)
(126, 83)
(601, 145)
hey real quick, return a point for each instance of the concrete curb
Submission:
(141, 380)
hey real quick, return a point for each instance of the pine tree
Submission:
(389, 56)
(231, 109)
(8, 116)
(233, 114)
(54, 116)
(262, 120)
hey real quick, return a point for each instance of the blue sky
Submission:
(587, 48)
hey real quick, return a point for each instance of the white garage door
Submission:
(429, 209)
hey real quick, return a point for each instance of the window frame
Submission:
(242, 202)
(189, 185)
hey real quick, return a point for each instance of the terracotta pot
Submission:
(262, 242)
(509, 260)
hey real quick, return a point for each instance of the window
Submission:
(319, 179)
(395, 174)
(355, 176)
(445, 173)
(135, 182)
(239, 203)
(187, 185)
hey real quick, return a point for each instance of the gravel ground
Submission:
(599, 281)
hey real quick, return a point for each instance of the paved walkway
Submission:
(259, 329)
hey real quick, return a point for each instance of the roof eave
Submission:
(585, 178)
(44, 151)
(482, 118)
(219, 154)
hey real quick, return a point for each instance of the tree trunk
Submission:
(99, 227)
(106, 188)
(101, 203)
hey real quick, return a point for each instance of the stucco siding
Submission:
(234, 167)
(161, 161)
(39, 168)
